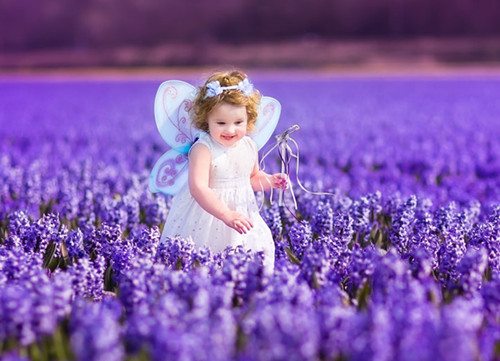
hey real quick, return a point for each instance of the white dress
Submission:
(230, 171)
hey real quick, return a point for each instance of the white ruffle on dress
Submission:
(230, 171)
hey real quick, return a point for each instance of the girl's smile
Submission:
(227, 123)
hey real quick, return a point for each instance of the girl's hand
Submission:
(237, 221)
(279, 180)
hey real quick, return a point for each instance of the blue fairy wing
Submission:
(170, 173)
(269, 114)
(172, 107)
(173, 103)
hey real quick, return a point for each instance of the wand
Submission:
(284, 152)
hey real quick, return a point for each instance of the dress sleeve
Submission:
(253, 145)
(255, 149)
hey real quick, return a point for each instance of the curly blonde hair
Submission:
(203, 106)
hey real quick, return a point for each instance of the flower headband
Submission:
(214, 88)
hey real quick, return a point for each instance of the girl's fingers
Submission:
(247, 224)
(281, 181)
(243, 225)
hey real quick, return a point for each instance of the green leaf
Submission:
(292, 257)
(363, 295)
(497, 350)
(241, 339)
(109, 284)
(49, 254)
(179, 264)
(315, 282)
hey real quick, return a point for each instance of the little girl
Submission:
(217, 208)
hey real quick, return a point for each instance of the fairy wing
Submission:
(173, 103)
(269, 114)
(170, 173)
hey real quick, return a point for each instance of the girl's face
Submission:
(227, 123)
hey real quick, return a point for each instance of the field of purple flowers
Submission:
(400, 262)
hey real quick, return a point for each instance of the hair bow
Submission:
(214, 88)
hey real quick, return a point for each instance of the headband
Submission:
(214, 88)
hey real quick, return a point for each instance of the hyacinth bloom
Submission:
(398, 261)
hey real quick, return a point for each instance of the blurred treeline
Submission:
(43, 24)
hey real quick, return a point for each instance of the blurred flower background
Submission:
(276, 33)
(401, 261)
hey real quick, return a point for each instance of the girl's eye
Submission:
(239, 122)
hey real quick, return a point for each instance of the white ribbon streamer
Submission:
(286, 154)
